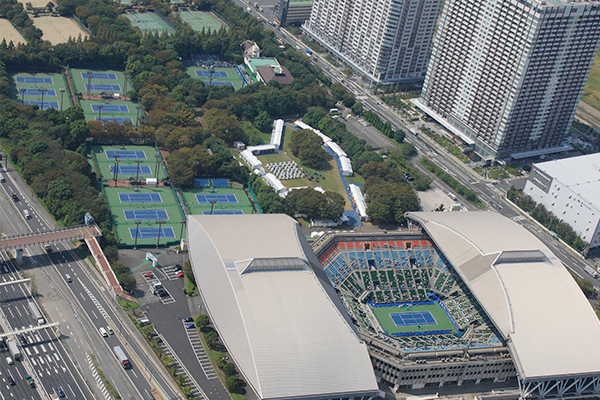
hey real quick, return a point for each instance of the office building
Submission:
(292, 11)
(386, 41)
(506, 76)
(570, 188)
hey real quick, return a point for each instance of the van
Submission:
(144, 321)
(109, 330)
(26, 214)
(2, 178)
(68, 278)
(103, 332)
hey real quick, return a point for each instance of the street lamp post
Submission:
(137, 118)
(89, 87)
(100, 107)
(125, 76)
(42, 91)
(62, 92)
(116, 174)
(182, 222)
(137, 229)
(211, 70)
(159, 228)
(156, 171)
(212, 205)
(137, 172)
(22, 90)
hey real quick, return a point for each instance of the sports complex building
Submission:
(462, 297)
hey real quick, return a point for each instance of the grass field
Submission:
(9, 33)
(80, 80)
(444, 323)
(194, 207)
(150, 21)
(331, 181)
(591, 92)
(49, 84)
(92, 111)
(232, 78)
(200, 20)
(59, 29)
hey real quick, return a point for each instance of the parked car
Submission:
(190, 326)
(188, 319)
(11, 381)
(177, 267)
(148, 274)
(60, 392)
(9, 361)
(180, 274)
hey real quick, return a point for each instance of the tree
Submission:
(202, 322)
(127, 281)
(189, 273)
(229, 369)
(587, 287)
(211, 339)
(357, 108)
(233, 384)
(223, 125)
(111, 253)
(263, 122)
(307, 146)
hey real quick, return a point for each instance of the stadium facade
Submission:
(515, 310)
(275, 311)
(507, 76)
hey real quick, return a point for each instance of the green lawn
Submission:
(443, 321)
(591, 92)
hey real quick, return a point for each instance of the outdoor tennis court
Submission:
(220, 76)
(217, 198)
(150, 21)
(146, 215)
(207, 182)
(131, 170)
(103, 87)
(234, 200)
(200, 20)
(222, 212)
(416, 318)
(110, 111)
(166, 232)
(52, 87)
(140, 198)
(125, 154)
(100, 81)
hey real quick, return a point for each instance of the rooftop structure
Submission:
(570, 189)
(278, 316)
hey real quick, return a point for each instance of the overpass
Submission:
(34, 239)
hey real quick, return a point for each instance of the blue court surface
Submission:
(215, 74)
(215, 83)
(118, 120)
(217, 198)
(132, 170)
(201, 182)
(105, 76)
(115, 108)
(145, 215)
(37, 92)
(140, 198)
(126, 154)
(105, 87)
(151, 232)
(222, 212)
(220, 182)
(47, 104)
(413, 318)
(35, 80)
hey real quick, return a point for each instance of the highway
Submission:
(89, 307)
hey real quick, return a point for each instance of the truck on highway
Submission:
(120, 354)
(36, 313)
(13, 348)
(591, 271)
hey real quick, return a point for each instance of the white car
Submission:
(9, 361)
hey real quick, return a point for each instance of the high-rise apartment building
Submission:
(385, 40)
(507, 75)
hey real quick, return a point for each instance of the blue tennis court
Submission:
(217, 198)
(140, 198)
(413, 318)
(118, 120)
(215, 74)
(47, 104)
(105, 76)
(34, 80)
(220, 182)
(37, 92)
(151, 232)
(132, 170)
(126, 154)
(215, 83)
(115, 108)
(105, 87)
(145, 215)
(201, 182)
(222, 212)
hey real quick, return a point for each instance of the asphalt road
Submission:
(92, 306)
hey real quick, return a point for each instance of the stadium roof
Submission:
(532, 299)
(279, 318)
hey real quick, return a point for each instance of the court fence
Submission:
(85, 28)
(260, 211)
(164, 19)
